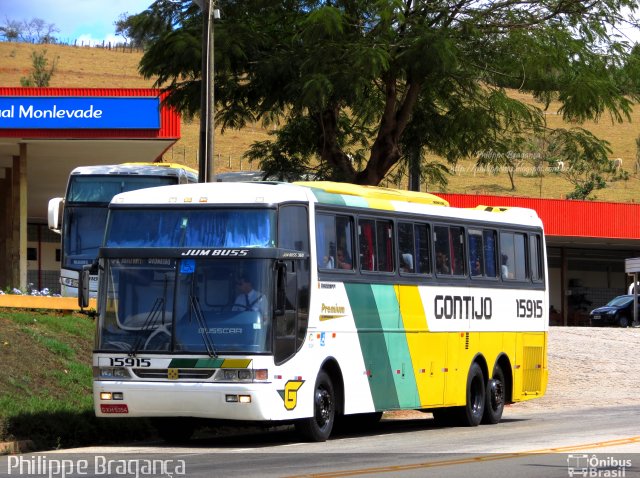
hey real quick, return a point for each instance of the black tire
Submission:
(174, 430)
(623, 321)
(318, 428)
(496, 393)
(471, 414)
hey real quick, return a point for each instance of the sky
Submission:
(92, 21)
(87, 21)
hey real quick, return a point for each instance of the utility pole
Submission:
(207, 99)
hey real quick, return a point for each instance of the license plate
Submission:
(120, 408)
(597, 317)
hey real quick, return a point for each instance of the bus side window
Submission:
(476, 256)
(513, 256)
(384, 236)
(482, 252)
(443, 255)
(344, 238)
(535, 257)
(406, 247)
(334, 242)
(376, 245)
(449, 246)
(413, 248)
(325, 241)
(366, 241)
(423, 248)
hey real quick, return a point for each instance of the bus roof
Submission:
(152, 169)
(275, 193)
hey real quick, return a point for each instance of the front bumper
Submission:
(603, 319)
(204, 400)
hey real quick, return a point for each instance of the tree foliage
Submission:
(353, 87)
(41, 72)
(35, 30)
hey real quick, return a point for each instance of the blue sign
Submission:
(65, 112)
(187, 266)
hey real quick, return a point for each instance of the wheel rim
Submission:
(497, 394)
(324, 407)
(477, 405)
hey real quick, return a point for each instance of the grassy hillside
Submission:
(98, 68)
(45, 382)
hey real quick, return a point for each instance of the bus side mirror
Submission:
(83, 285)
(281, 288)
(54, 214)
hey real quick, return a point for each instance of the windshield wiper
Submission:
(202, 324)
(157, 311)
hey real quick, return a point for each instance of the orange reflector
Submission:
(261, 374)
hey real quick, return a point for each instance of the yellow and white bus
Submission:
(80, 216)
(314, 302)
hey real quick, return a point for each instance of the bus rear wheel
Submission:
(495, 398)
(318, 427)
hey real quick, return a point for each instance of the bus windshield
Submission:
(208, 306)
(84, 232)
(101, 188)
(191, 228)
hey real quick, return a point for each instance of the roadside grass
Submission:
(45, 383)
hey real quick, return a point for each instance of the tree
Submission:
(35, 30)
(41, 72)
(356, 87)
(11, 30)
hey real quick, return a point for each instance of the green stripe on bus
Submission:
(397, 346)
(328, 198)
(183, 363)
(355, 201)
(208, 363)
(196, 363)
(373, 346)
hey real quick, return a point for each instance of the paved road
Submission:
(598, 442)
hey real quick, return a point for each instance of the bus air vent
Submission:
(162, 373)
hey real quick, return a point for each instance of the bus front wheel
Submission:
(318, 427)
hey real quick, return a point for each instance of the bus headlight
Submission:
(69, 282)
(240, 375)
(109, 373)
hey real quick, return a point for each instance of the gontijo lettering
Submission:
(462, 307)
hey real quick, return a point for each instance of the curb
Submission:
(42, 302)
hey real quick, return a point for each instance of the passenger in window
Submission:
(442, 264)
(343, 261)
(504, 268)
(476, 268)
(329, 261)
(406, 263)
